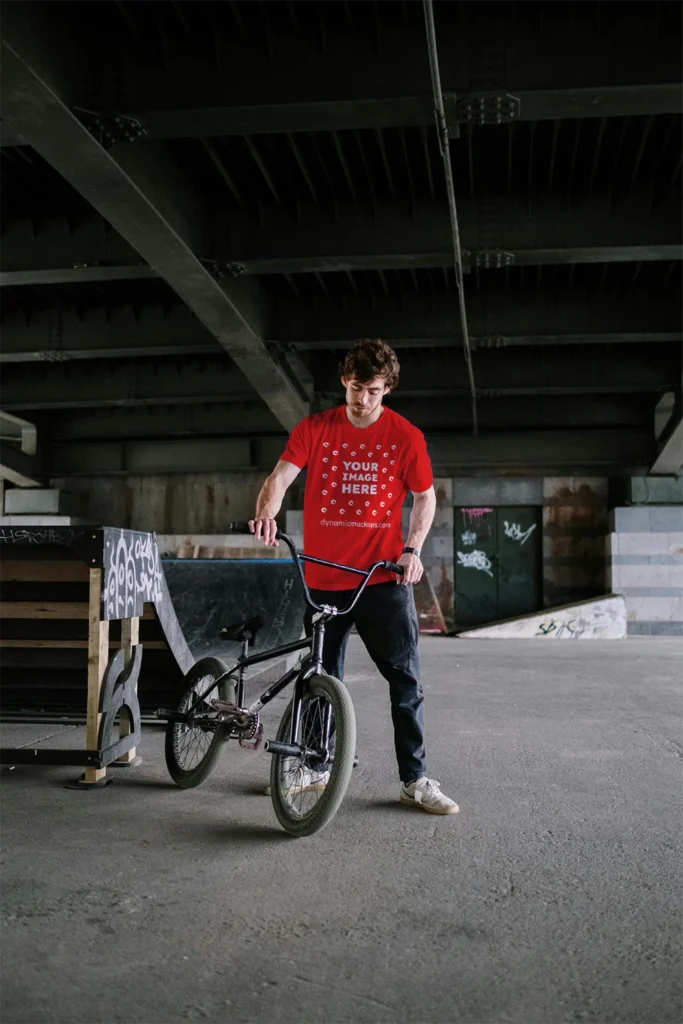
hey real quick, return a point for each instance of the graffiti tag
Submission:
(469, 538)
(475, 516)
(573, 627)
(475, 560)
(514, 532)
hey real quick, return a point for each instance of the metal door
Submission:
(498, 564)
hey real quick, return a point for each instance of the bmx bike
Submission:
(314, 749)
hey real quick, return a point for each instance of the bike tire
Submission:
(340, 771)
(177, 734)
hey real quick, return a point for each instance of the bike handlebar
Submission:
(298, 558)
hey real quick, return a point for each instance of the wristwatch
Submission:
(410, 551)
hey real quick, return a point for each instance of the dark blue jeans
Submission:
(386, 621)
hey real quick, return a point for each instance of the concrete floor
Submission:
(553, 896)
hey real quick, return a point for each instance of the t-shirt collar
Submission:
(362, 430)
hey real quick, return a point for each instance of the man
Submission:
(362, 459)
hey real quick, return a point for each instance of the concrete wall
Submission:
(644, 556)
(437, 553)
(574, 529)
(200, 503)
(645, 564)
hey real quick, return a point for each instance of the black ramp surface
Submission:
(209, 594)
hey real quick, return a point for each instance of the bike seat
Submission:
(245, 630)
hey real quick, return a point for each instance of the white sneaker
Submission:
(307, 781)
(425, 793)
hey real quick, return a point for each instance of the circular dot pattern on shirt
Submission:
(362, 473)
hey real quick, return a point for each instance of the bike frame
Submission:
(313, 665)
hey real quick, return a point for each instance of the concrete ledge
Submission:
(649, 519)
(603, 618)
(655, 628)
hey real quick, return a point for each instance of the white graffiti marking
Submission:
(133, 573)
(514, 532)
(469, 538)
(475, 560)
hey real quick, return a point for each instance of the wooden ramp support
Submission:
(121, 570)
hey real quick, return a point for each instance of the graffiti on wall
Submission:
(475, 560)
(475, 516)
(573, 628)
(514, 532)
(469, 538)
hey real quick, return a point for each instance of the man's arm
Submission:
(269, 502)
(421, 519)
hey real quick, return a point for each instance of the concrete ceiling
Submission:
(203, 204)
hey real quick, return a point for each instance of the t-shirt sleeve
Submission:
(418, 476)
(298, 446)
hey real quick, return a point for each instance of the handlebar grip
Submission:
(239, 528)
(393, 567)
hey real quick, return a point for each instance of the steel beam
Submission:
(669, 460)
(582, 73)
(496, 318)
(75, 275)
(530, 452)
(57, 335)
(405, 111)
(19, 468)
(402, 111)
(392, 236)
(593, 370)
(59, 252)
(539, 451)
(244, 419)
(215, 379)
(142, 194)
(58, 243)
(119, 384)
(398, 236)
(19, 432)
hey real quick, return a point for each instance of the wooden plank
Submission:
(77, 645)
(130, 636)
(43, 610)
(49, 610)
(98, 653)
(31, 571)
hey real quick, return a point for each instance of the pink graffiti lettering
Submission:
(475, 516)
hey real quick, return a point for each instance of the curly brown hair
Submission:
(369, 358)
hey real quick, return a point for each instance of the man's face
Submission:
(364, 399)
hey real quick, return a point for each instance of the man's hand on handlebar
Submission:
(265, 530)
(412, 569)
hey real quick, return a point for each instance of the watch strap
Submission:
(410, 551)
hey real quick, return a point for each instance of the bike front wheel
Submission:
(307, 794)
(191, 749)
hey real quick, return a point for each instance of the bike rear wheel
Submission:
(192, 750)
(307, 795)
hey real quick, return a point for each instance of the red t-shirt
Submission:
(357, 481)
